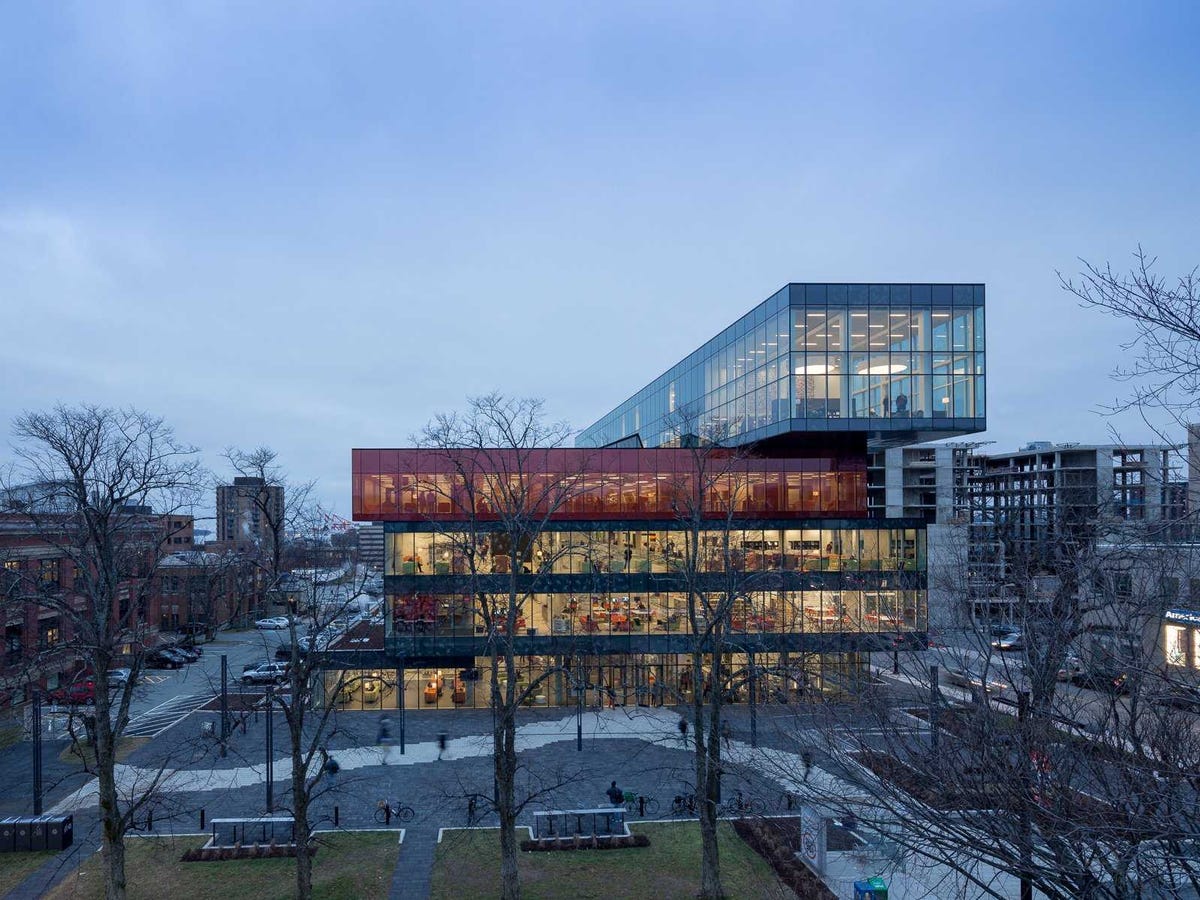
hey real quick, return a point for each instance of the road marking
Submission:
(155, 721)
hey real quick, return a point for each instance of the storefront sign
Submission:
(1191, 617)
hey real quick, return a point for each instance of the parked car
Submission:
(75, 694)
(272, 623)
(174, 652)
(1071, 666)
(1014, 640)
(963, 676)
(118, 677)
(189, 654)
(1111, 681)
(266, 673)
(1177, 695)
(159, 659)
(284, 653)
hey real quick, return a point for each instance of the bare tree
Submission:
(706, 499)
(1069, 790)
(85, 482)
(1165, 350)
(212, 586)
(318, 586)
(504, 483)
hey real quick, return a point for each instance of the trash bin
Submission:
(22, 834)
(871, 889)
(37, 833)
(59, 832)
(8, 834)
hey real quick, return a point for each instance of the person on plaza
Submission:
(807, 759)
(726, 733)
(683, 731)
(616, 796)
(384, 738)
(441, 743)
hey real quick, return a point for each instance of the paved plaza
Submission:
(639, 747)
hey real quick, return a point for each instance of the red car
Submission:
(75, 694)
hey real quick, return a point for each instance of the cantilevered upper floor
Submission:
(900, 363)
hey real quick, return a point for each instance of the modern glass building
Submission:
(891, 363)
(801, 386)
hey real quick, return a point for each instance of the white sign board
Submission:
(812, 838)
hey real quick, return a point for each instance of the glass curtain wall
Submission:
(660, 551)
(839, 606)
(626, 679)
(901, 361)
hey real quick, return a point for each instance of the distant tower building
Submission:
(370, 545)
(245, 510)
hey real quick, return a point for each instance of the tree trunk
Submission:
(300, 812)
(505, 772)
(112, 847)
(708, 782)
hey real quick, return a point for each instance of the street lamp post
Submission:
(270, 749)
(224, 705)
(400, 700)
(35, 725)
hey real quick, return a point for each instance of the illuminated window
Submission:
(1176, 645)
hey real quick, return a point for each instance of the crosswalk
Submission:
(155, 721)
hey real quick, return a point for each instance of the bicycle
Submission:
(386, 811)
(741, 806)
(640, 805)
(683, 805)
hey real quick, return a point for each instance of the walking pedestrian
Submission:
(726, 733)
(441, 743)
(807, 759)
(683, 731)
(616, 796)
(384, 738)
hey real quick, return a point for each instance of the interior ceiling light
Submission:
(813, 369)
(882, 369)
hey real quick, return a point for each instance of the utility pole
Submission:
(270, 748)
(35, 725)
(224, 705)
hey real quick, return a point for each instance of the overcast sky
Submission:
(315, 225)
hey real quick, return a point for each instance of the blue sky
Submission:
(315, 225)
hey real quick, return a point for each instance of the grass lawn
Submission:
(84, 753)
(16, 867)
(467, 866)
(347, 866)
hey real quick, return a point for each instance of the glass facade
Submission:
(583, 485)
(820, 548)
(899, 362)
(619, 679)
(594, 548)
